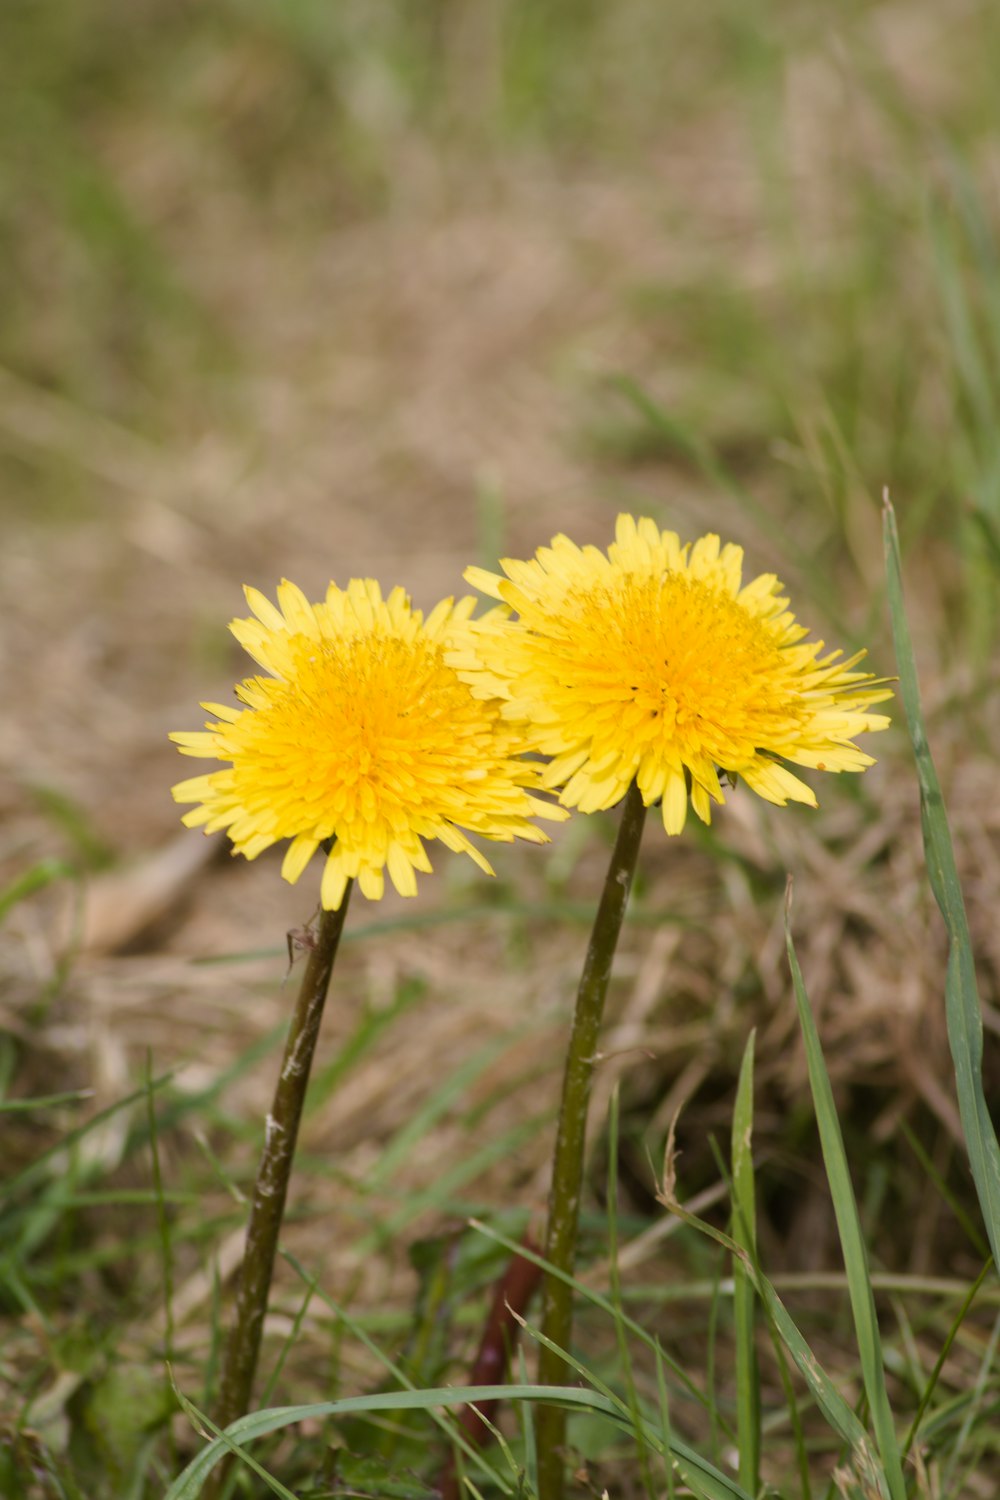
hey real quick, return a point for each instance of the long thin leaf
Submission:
(596, 1299)
(852, 1242)
(665, 1426)
(614, 1278)
(939, 1363)
(36, 879)
(744, 1233)
(227, 1444)
(962, 1008)
(700, 1476)
(258, 1424)
(345, 1320)
(984, 1379)
(832, 1404)
(44, 1101)
(41, 1166)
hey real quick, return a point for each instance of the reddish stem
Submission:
(511, 1296)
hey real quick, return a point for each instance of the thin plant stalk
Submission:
(567, 1163)
(271, 1187)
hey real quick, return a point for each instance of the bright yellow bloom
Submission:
(653, 661)
(362, 735)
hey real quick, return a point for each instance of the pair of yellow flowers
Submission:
(377, 729)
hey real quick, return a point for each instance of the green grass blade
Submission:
(794, 1415)
(665, 1427)
(596, 1299)
(939, 1363)
(851, 1238)
(984, 1378)
(962, 1009)
(829, 1400)
(527, 1430)
(42, 1164)
(701, 1476)
(408, 1138)
(258, 1424)
(681, 439)
(166, 1239)
(290, 1340)
(226, 1442)
(473, 1453)
(967, 1222)
(439, 1196)
(576, 912)
(36, 879)
(745, 1235)
(698, 1474)
(615, 1287)
(711, 1345)
(44, 1101)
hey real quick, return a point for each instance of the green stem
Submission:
(567, 1162)
(271, 1187)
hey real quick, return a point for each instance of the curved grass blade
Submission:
(962, 1008)
(852, 1242)
(227, 1444)
(258, 1424)
(829, 1400)
(698, 1474)
(596, 1299)
(451, 1429)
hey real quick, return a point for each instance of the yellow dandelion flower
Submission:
(654, 661)
(362, 735)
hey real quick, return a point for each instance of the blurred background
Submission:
(318, 289)
(324, 288)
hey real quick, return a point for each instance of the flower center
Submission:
(358, 724)
(674, 660)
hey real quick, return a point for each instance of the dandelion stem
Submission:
(271, 1186)
(567, 1163)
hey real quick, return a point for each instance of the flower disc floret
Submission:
(362, 739)
(654, 661)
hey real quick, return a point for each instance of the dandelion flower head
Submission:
(360, 734)
(655, 661)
